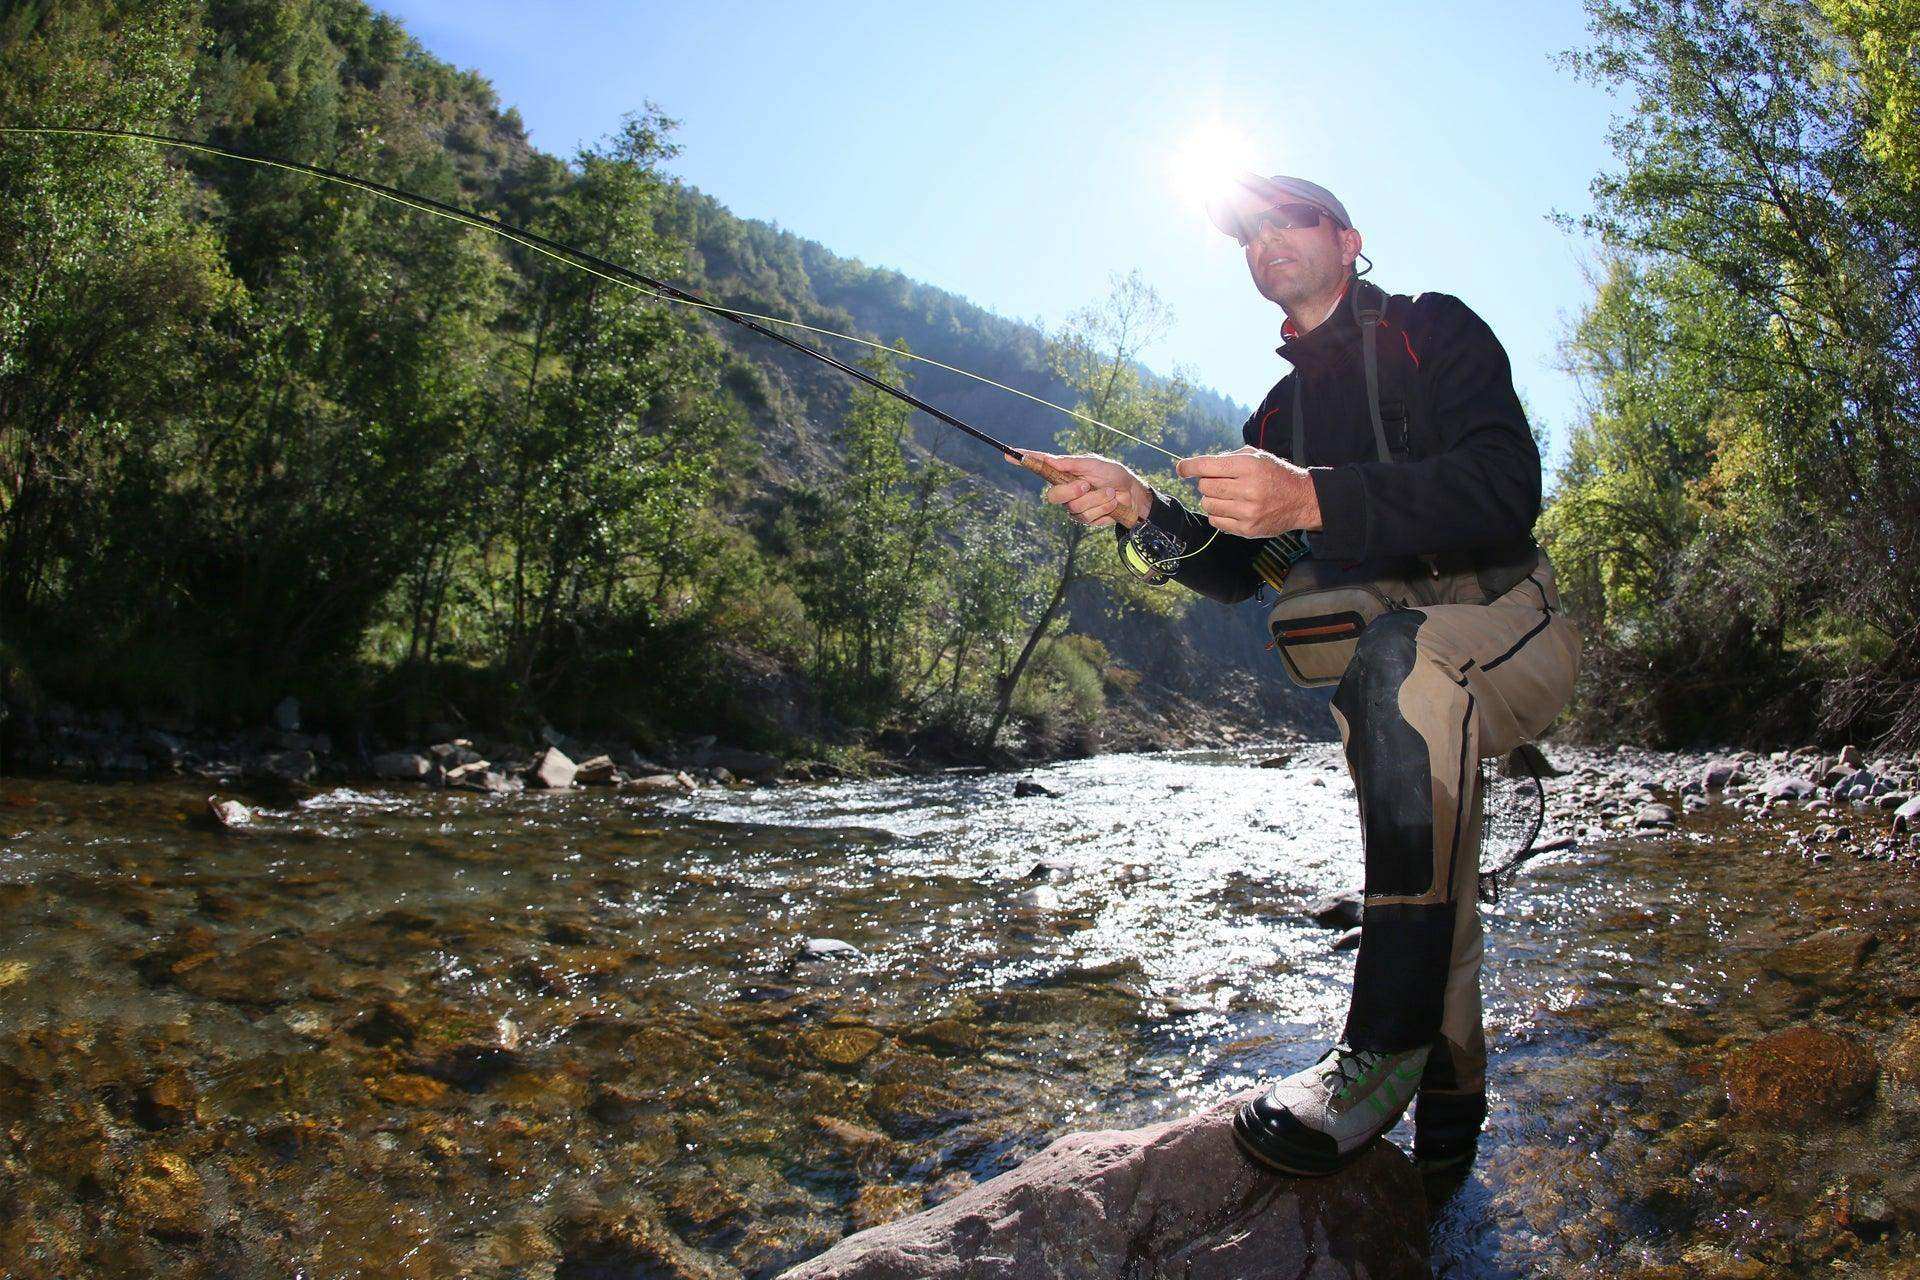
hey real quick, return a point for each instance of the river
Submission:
(407, 1033)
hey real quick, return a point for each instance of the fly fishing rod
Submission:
(596, 265)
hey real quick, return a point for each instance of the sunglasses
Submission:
(1288, 217)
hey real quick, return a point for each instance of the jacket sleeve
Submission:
(1217, 565)
(1480, 488)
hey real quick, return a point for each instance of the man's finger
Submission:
(1214, 464)
(1227, 524)
(1213, 487)
(1226, 507)
(1091, 501)
(1063, 493)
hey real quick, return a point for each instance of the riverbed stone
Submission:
(1902, 1063)
(1652, 816)
(1027, 787)
(1718, 775)
(1800, 1074)
(1907, 817)
(841, 1046)
(1828, 958)
(817, 949)
(1337, 910)
(165, 1196)
(597, 771)
(1171, 1199)
(1789, 787)
(400, 766)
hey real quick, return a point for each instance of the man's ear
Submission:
(1349, 245)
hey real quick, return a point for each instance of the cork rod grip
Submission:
(1054, 475)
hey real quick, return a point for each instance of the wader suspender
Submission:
(1368, 315)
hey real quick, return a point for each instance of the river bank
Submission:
(418, 1032)
(59, 740)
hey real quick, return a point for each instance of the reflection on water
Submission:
(410, 1033)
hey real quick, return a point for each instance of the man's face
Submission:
(1299, 266)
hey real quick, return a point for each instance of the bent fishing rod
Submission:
(617, 274)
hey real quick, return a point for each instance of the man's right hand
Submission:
(1103, 491)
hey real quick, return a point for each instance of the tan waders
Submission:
(1428, 693)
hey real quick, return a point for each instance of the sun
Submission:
(1206, 160)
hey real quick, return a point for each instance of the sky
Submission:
(1021, 154)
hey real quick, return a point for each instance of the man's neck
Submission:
(1307, 317)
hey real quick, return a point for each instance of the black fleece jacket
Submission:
(1470, 480)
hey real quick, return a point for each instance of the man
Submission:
(1406, 458)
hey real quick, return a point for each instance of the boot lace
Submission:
(1350, 1066)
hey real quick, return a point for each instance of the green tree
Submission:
(1096, 354)
(868, 561)
(1763, 209)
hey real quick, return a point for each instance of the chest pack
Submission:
(1322, 607)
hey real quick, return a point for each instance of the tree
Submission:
(1096, 354)
(1763, 210)
(867, 563)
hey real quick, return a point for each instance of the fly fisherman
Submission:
(1398, 446)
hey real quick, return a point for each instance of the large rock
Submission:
(1789, 788)
(401, 766)
(551, 769)
(1907, 816)
(1718, 775)
(1170, 1200)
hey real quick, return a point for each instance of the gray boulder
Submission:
(401, 766)
(1855, 786)
(1718, 775)
(1653, 816)
(1337, 910)
(1906, 817)
(1175, 1199)
(1787, 787)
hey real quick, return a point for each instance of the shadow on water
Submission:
(421, 1034)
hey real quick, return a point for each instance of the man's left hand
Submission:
(1250, 493)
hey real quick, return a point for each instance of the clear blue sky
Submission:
(1018, 154)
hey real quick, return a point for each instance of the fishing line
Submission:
(627, 278)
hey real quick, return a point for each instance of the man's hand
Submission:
(1252, 494)
(1103, 492)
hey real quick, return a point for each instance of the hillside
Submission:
(265, 435)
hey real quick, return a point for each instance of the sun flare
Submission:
(1206, 160)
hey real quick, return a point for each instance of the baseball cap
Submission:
(1249, 193)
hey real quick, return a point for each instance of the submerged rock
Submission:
(1169, 1200)
(1829, 957)
(814, 949)
(1800, 1074)
(230, 814)
(1028, 787)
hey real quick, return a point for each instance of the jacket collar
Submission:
(1324, 338)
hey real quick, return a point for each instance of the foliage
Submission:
(1740, 511)
(261, 434)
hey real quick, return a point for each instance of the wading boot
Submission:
(1446, 1130)
(1319, 1120)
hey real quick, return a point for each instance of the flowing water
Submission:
(402, 1033)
